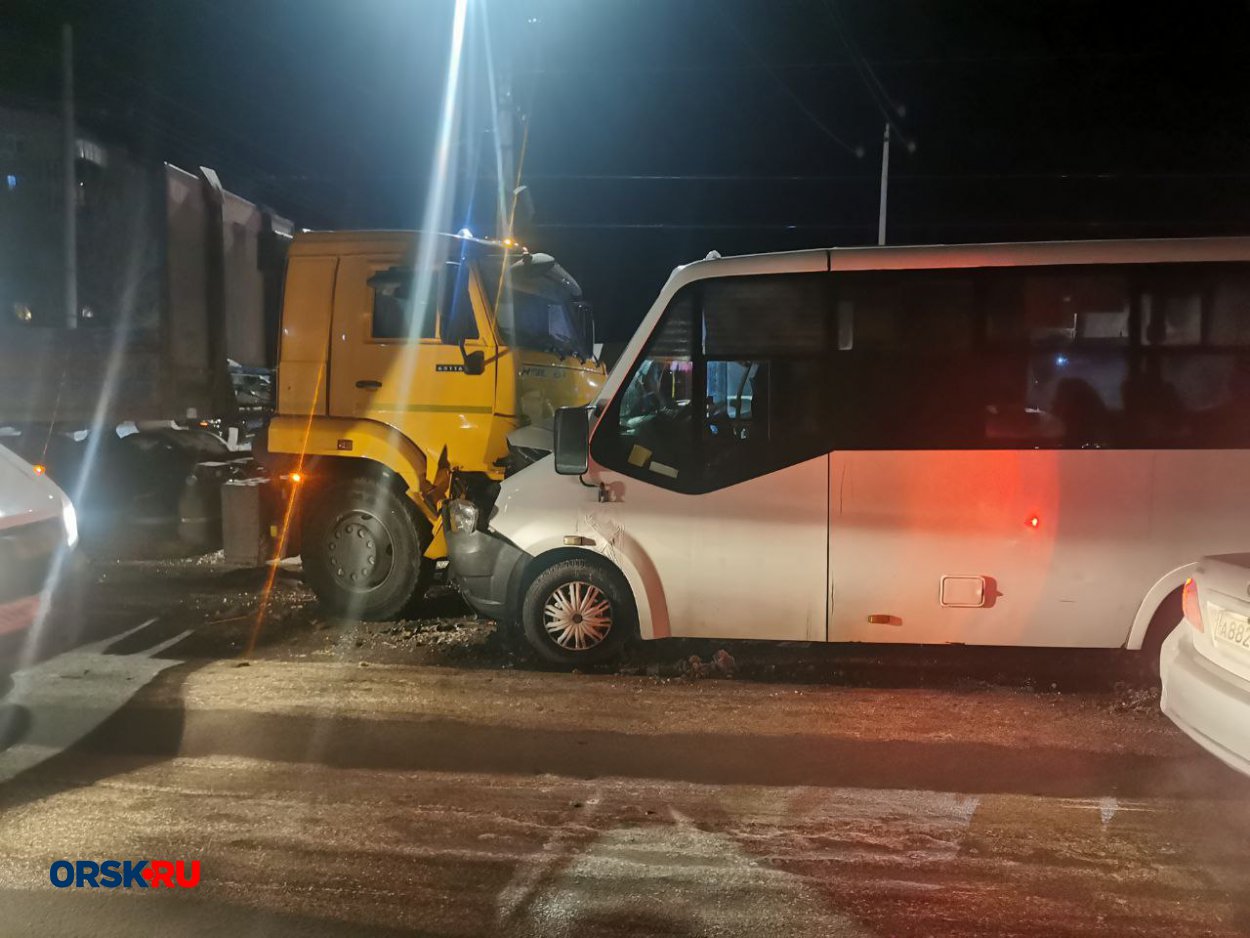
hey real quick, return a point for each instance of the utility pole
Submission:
(69, 155)
(885, 183)
(505, 124)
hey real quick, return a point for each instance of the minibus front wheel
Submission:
(578, 611)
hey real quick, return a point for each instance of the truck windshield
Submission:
(537, 307)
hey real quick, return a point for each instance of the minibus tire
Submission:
(1166, 618)
(350, 511)
(561, 576)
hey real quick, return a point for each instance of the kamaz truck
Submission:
(413, 368)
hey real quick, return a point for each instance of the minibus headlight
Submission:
(462, 516)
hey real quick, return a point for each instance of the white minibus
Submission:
(1000, 444)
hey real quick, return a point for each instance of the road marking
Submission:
(520, 889)
(1107, 808)
(57, 702)
(678, 879)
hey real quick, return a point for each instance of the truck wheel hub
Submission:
(360, 551)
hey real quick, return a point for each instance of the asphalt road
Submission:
(341, 782)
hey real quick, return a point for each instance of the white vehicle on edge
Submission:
(37, 523)
(1205, 661)
(1002, 444)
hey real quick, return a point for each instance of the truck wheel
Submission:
(362, 549)
(578, 612)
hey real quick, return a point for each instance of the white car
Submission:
(1205, 661)
(38, 528)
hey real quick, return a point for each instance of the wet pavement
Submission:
(427, 778)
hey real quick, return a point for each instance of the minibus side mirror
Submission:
(572, 440)
(474, 362)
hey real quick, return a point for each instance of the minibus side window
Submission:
(1067, 330)
(1128, 356)
(764, 342)
(906, 373)
(731, 386)
(1189, 384)
(649, 431)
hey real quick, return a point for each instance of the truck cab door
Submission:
(410, 348)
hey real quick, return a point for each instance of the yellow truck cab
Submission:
(413, 367)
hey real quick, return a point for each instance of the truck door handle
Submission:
(371, 385)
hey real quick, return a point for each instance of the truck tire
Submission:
(362, 548)
(578, 612)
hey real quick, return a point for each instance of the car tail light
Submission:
(1189, 604)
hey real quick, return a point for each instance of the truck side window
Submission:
(399, 314)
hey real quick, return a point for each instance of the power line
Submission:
(835, 64)
(889, 108)
(186, 135)
(790, 92)
(1236, 224)
(1113, 176)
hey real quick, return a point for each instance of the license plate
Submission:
(1232, 629)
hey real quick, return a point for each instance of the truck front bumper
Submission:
(483, 566)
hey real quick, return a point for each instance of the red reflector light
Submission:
(1189, 604)
(39, 468)
(1033, 521)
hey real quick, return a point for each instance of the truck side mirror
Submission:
(586, 326)
(474, 362)
(572, 440)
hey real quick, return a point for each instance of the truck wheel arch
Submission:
(372, 445)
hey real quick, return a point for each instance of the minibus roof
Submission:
(1001, 254)
(931, 256)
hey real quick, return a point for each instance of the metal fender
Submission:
(360, 439)
(613, 544)
(1157, 593)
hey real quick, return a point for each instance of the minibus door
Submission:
(728, 543)
(748, 561)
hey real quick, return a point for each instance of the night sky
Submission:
(662, 129)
